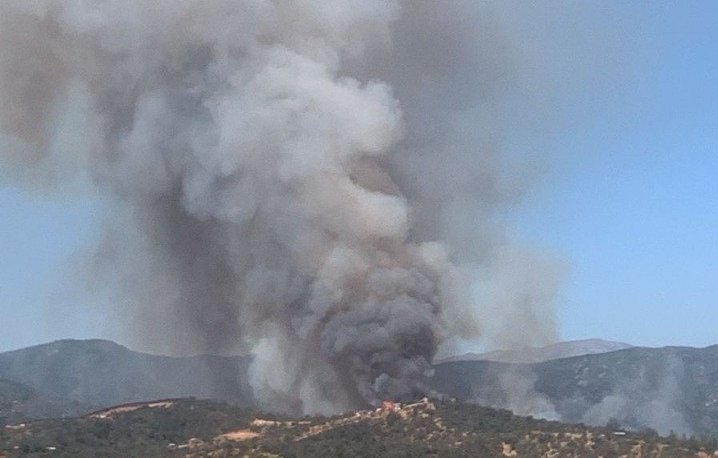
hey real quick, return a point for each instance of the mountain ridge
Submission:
(668, 389)
(558, 350)
(96, 373)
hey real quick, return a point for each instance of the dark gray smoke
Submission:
(314, 181)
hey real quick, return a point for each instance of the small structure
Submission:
(389, 406)
(15, 427)
(262, 423)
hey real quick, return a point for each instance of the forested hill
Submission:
(672, 388)
(99, 373)
(427, 428)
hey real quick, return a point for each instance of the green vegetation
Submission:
(662, 388)
(672, 388)
(12, 396)
(191, 428)
(144, 432)
(19, 402)
(97, 373)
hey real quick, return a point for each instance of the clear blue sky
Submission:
(38, 236)
(630, 202)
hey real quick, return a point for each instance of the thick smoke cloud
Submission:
(313, 181)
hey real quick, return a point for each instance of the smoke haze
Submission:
(315, 182)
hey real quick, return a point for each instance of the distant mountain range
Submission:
(671, 388)
(75, 376)
(558, 350)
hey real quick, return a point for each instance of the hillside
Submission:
(672, 388)
(558, 350)
(99, 373)
(662, 388)
(193, 429)
(19, 402)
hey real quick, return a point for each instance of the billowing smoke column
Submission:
(308, 179)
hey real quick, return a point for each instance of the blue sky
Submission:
(630, 202)
(38, 237)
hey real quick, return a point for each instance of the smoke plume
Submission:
(314, 181)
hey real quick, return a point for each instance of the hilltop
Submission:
(193, 429)
(91, 374)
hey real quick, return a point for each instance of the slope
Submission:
(101, 373)
(671, 388)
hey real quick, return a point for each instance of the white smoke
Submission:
(649, 399)
(313, 180)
